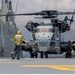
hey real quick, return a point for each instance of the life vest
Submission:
(18, 39)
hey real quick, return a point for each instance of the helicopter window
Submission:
(36, 30)
(44, 30)
(53, 30)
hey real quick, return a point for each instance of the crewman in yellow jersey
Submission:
(18, 39)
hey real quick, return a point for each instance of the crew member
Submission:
(69, 48)
(73, 43)
(18, 40)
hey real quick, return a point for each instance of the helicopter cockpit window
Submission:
(44, 30)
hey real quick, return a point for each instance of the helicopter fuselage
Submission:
(46, 38)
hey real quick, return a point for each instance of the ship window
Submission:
(9, 2)
(6, 18)
(6, 1)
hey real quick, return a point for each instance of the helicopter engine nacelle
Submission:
(63, 27)
(29, 26)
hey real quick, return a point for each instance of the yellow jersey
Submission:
(18, 39)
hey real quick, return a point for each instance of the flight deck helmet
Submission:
(19, 32)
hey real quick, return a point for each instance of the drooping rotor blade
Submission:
(65, 13)
(54, 12)
(22, 14)
(45, 13)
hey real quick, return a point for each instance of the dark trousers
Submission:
(17, 50)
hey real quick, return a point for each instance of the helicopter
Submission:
(46, 35)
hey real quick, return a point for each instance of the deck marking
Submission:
(57, 67)
(36, 66)
(4, 59)
(9, 62)
(63, 67)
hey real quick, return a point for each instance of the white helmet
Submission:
(18, 32)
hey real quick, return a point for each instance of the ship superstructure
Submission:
(7, 29)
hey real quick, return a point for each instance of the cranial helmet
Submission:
(18, 32)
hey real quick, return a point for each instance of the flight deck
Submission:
(37, 66)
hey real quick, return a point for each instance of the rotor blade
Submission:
(65, 13)
(42, 13)
(72, 19)
(23, 14)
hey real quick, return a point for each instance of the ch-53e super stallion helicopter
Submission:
(46, 36)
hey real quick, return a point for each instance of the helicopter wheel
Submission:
(41, 54)
(68, 55)
(46, 55)
(32, 55)
(36, 55)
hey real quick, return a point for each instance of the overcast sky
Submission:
(25, 6)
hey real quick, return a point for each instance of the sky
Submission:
(27, 6)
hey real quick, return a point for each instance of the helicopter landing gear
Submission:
(46, 55)
(68, 55)
(34, 54)
(41, 54)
